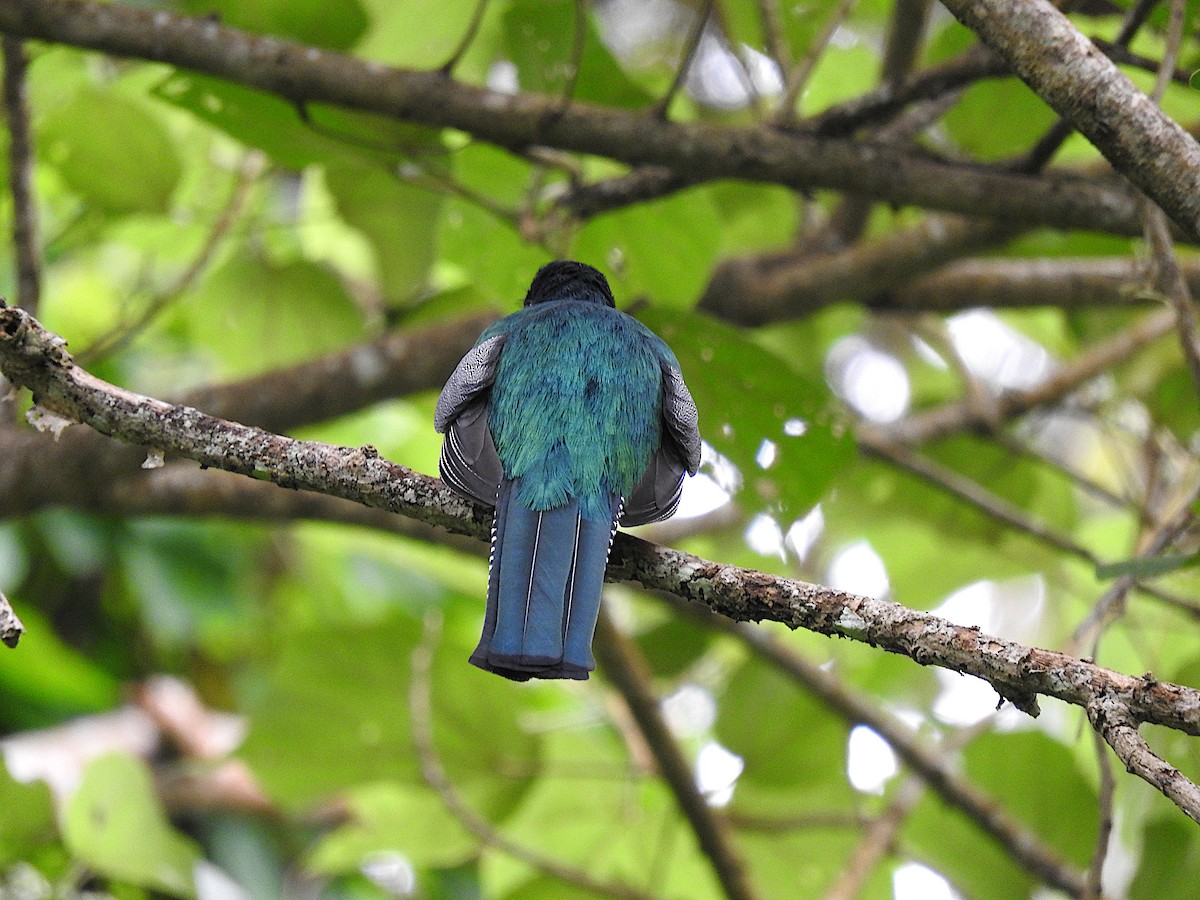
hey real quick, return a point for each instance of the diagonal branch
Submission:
(1087, 89)
(34, 358)
(935, 769)
(959, 415)
(624, 666)
(78, 466)
(1121, 733)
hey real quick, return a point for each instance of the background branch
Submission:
(624, 667)
(518, 121)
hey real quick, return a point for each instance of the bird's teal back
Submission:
(576, 404)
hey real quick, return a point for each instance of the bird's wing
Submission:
(469, 462)
(656, 495)
(681, 418)
(472, 376)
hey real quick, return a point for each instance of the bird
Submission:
(569, 417)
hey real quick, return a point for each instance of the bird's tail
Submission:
(545, 577)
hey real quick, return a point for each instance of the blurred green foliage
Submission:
(350, 224)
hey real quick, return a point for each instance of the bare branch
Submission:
(79, 466)
(1062, 282)
(798, 74)
(690, 46)
(959, 415)
(303, 74)
(773, 287)
(1121, 733)
(468, 37)
(1087, 89)
(877, 841)
(124, 331)
(624, 666)
(1104, 831)
(20, 174)
(935, 769)
(887, 100)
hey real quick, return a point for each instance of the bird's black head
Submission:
(566, 280)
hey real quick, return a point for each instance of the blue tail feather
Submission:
(544, 584)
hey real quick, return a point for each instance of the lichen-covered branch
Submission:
(1120, 731)
(1087, 89)
(34, 358)
(79, 467)
(11, 628)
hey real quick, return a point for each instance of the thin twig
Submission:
(1095, 871)
(1167, 271)
(1153, 542)
(798, 75)
(420, 699)
(468, 37)
(123, 332)
(977, 496)
(1121, 733)
(877, 841)
(933, 767)
(958, 415)
(774, 39)
(624, 666)
(690, 47)
(578, 42)
(20, 174)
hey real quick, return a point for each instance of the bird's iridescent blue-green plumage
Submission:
(561, 413)
(586, 427)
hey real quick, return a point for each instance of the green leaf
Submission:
(787, 740)
(112, 151)
(398, 219)
(335, 24)
(393, 39)
(1037, 780)
(409, 819)
(114, 824)
(1148, 567)
(45, 679)
(747, 395)
(671, 265)
(973, 122)
(335, 716)
(673, 645)
(254, 314)
(540, 40)
(590, 810)
(334, 712)
(190, 579)
(1170, 864)
(28, 820)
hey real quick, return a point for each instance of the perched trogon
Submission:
(570, 417)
